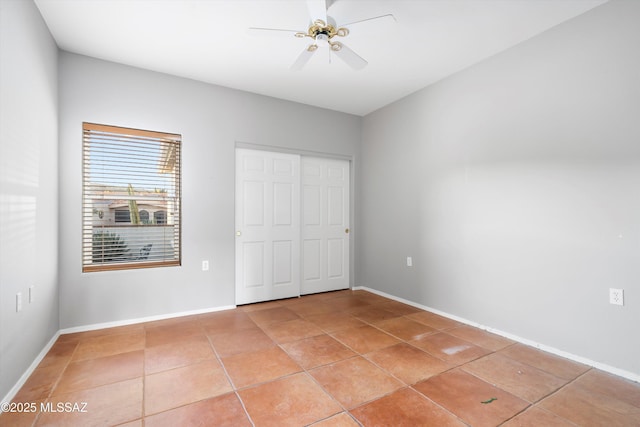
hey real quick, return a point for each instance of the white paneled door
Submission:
(325, 225)
(267, 226)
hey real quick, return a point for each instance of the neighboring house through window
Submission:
(131, 198)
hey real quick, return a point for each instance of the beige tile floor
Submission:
(344, 358)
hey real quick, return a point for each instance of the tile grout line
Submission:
(551, 393)
(559, 390)
(307, 371)
(226, 373)
(456, 416)
(56, 382)
(303, 369)
(308, 374)
(228, 377)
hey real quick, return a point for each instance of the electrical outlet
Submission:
(205, 265)
(616, 296)
(409, 261)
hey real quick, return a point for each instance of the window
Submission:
(123, 216)
(160, 217)
(125, 170)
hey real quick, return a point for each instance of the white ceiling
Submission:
(207, 40)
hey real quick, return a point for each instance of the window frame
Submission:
(169, 153)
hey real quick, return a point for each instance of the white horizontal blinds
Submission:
(131, 198)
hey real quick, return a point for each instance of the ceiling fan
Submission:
(323, 31)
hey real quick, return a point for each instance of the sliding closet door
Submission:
(325, 225)
(267, 226)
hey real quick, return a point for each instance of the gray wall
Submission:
(515, 186)
(211, 120)
(28, 188)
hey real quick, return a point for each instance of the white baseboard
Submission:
(96, 326)
(23, 379)
(604, 367)
(14, 390)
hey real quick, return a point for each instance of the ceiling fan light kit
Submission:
(323, 32)
(321, 28)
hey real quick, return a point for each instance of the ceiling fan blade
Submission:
(317, 9)
(277, 32)
(388, 18)
(302, 60)
(351, 58)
